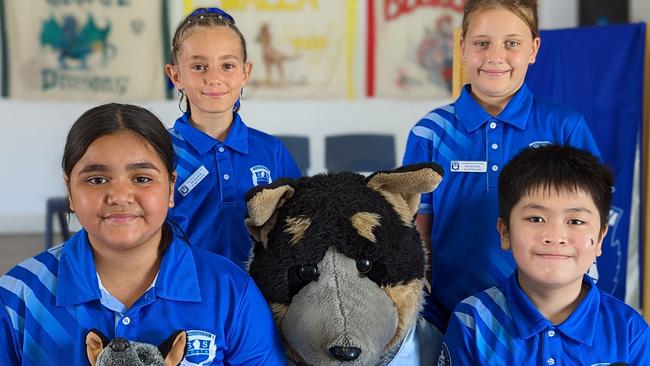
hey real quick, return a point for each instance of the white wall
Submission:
(34, 132)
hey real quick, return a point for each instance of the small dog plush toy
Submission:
(121, 352)
(339, 261)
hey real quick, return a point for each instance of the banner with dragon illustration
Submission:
(410, 47)
(299, 48)
(100, 50)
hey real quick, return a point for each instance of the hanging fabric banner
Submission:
(569, 69)
(100, 50)
(299, 48)
(410, 47)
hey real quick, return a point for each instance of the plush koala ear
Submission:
(262, 203)
(402, 187)
(95, 343)
(173, 348)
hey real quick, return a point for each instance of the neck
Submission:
(127, 274)
(216, 125)
(556, 304)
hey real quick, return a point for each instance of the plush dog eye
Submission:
(308, 273)
(364, 266)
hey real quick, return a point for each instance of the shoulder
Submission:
(437, 115)
(621, 314)
(489, 301)
(547, 107)
(214, 267)
(260, 137)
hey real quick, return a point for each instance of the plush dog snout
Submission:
(119, 344)
(345, 353)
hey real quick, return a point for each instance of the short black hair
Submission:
(554, 168)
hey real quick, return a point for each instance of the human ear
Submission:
(535, 48)
(502, 228)
(172, 184)
(67, 188)
(174, 75)
(599, 245)
(248, 67)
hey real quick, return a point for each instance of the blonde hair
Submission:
(526, 10)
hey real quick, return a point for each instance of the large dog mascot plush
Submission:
(339, 260)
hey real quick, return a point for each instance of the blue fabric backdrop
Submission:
(599, 71)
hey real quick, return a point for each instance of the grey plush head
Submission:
(340, 262)
(122, 352)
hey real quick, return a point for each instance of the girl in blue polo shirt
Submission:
(127, 272)
(219, 158)
(494, 117)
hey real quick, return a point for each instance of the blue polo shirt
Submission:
(49, 302)
(501, 326)
(472, 146)
(213, 178)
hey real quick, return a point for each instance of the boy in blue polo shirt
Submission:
(219, 157)
(553, 205)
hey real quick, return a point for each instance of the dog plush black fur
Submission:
(121, 352)
(339, 261)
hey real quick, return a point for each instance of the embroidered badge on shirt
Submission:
(193, 180)
(201, 348)
(536, 144)
(261, 175)
(463, 166)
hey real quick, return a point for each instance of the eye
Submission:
(481, 44)
(512, 44)
(96, 180)
(199, 67)
(364, 266)
(229, 66)
(145, 355)
(535, 219)
(142, 179)
(308, 273)
(576, 222)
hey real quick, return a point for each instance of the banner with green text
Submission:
(101, 50)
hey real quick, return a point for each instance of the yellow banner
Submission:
(299, 48)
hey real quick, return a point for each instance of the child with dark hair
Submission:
(219, 157)
(553, 206)
(128, 273)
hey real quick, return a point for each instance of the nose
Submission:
(120, 193)
(345, 353)
(495, 54)
(212, 77)
(555, 234)
(119, 344)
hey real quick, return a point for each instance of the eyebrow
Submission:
(203, 58)
(103, 168)
(535, 206)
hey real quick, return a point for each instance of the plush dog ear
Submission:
(402, 187)
(173, 348)
(262, 203)
(95, 343)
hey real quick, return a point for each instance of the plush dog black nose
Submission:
(345, 353)
(119, 344)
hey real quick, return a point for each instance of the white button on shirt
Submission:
(551, 361)
(226, 176)
(126, 320)
(493, 125)
(551, 333)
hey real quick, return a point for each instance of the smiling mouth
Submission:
(495, 73)
(120, 218)
(214, 94)
(553, 256)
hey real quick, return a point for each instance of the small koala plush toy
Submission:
(121, 352)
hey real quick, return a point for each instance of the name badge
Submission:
(463, 166)
(193, 180)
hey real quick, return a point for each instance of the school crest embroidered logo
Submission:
(455, 166)
(201, 348)
(445, 358)
(260, 175)
(536, 144)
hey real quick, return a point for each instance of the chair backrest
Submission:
(298, 146)
(359, 152)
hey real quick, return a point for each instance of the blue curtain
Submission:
(599, 71)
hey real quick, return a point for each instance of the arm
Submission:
(640, 348)
(253, 338)
(8, 344)
(582, 138)
(458, 343)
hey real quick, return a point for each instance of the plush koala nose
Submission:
(119, 344)
(345, 353)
